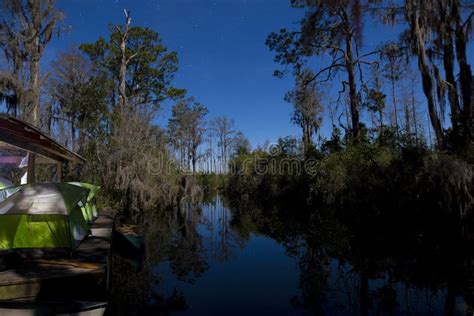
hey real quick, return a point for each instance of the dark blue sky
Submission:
(224, 62)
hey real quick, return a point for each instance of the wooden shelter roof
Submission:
(25, 136)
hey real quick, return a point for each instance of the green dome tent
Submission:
(89, 209)
(42, 215)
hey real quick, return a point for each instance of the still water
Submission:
(243, 274)
(218, 260)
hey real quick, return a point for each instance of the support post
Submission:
(31, 177)
(58, 172)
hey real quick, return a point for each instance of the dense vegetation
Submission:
(367, 177)
(102, 98)
(380, 156)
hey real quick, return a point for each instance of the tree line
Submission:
(203, 145)
(432, 49)
(88, 94)
(101, 99)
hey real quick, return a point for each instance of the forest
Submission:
(401, 114)
(379, 175)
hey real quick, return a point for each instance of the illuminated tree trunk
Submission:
(427, 81)
(465, 76)
(349, 63)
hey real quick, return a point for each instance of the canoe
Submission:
(129, 246)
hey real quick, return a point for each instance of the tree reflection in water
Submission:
(171, 240)
(216, 229)
(346, 265)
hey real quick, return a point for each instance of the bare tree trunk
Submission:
(34, 106)
(181, 157)
(73, 136)
(349, 64)
(448, 63)
(49, 118)
(34, 113)
(430, 138)
(20, 104)
(194, 158)
(81, 139)
(211, 154)
(306, 137)
(413, 110)
(426, 77)
(427, 89)
(406, 110)
(379, 107)
(123, 72)
(394, 99)
(224, 155)
(124, 60)
(465, 76)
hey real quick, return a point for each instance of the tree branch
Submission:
(467, 20)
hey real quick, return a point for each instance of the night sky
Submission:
(224, 61)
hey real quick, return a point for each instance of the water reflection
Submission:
(243, 260)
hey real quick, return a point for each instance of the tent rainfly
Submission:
(89, 209)
(42, 216)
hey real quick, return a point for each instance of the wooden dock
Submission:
(82, 277)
